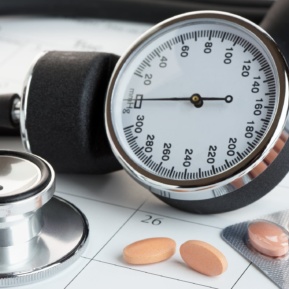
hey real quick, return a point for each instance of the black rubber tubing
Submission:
(6, 106)
(150, 11)
(276, 23)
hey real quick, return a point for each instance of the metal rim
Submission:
(24, 102)
(46, 176)
(34, 198)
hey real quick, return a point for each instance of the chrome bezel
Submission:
(31, 203)
(242, 173)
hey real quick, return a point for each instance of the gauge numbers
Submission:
(195, 100)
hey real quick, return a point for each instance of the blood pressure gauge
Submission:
(197, 108)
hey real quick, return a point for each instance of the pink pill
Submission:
(268, 238)
(203, 258)
(149, 251)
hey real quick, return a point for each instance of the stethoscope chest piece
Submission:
(39, 234)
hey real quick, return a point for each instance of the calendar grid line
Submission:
(159, 275)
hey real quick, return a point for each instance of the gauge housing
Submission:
(237, 185)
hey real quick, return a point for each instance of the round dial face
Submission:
(195, 100)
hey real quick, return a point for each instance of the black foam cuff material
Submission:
(65, 111)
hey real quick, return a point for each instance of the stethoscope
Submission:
(87, 148)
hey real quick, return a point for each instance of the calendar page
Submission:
(119, 210)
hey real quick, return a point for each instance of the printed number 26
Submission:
(151, 220)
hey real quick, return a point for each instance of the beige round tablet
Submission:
(268, 238)
(203, 258)
(149, 251)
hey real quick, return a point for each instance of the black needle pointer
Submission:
(195, 99)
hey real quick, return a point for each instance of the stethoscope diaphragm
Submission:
(40, 234)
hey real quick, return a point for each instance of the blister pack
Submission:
(264, 242)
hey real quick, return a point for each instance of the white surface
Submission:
(116, 207)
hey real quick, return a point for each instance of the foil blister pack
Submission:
(267, 249)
